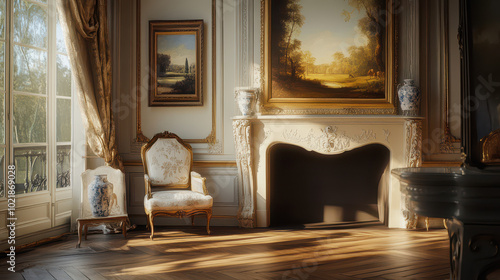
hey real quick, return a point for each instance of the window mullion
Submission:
(52, 109)
(7, 88)
(9, 30)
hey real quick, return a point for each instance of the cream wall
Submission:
(213, 160)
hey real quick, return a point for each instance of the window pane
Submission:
(2, 177)
(2, 65)
(61, 45)
(63, 166)
(31, 169)
(2, 118)
(63, 120)
(30, 24)
(30, 70)
(29, 119)
(2, 19)
(63, 76)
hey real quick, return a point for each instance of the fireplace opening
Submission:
(307, 187)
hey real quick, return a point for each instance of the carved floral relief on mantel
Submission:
(329, 139)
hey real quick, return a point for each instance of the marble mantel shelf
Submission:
(328, 117)
(327, 134)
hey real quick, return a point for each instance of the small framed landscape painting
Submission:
(328, 56)
(175, 60)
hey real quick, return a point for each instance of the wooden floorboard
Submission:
(372, 252)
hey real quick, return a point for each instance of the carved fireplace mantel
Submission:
(327, 135)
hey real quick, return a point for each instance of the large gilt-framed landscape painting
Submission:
(176, 63)
(328, 56)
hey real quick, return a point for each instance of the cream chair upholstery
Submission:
(172, 189)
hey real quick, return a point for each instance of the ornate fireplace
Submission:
(327, 135)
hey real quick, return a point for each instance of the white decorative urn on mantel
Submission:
(246, 98)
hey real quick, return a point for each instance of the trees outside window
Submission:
(35, 85)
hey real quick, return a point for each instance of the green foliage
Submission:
(2, 119)
(2, 18)
(290, 63)
(30, 70)
(30, 24)
(30, 117)
(372, 26)
(163, 64)
(286, 52)
(186, 86)
(63, 120)
(63, 86)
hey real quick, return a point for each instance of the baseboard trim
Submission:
(36, 238)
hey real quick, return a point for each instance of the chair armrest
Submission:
(147, 185)
(198, 183)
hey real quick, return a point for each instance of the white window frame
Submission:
(61, 204)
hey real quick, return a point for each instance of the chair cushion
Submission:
(168, 162)
(177, 200)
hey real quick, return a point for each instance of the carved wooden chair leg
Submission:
(192, 220)
(86, 229)
(80, 225)
(147, 223)
(151, 221)
(209, 216)
(124, 228)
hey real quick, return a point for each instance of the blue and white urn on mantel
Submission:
(100, 193)
(409, 98)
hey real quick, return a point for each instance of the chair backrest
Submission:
(168, 161)
(115, 177)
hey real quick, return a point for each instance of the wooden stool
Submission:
(95, 221)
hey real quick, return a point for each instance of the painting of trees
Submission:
(288, 26)
(372, 26)
(163, 64)
(353, 66)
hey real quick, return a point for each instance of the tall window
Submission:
(3, 44)
(36, 79)
(63, 103)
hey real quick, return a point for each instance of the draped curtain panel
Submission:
(84, 24)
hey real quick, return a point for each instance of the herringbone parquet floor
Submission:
(373, 252)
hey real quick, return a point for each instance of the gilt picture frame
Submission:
(176, 63)
(346, 66)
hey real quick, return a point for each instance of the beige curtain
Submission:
(84, 24)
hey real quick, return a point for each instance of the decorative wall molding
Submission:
(211, 138)
(215, 148)
(242, 130)
(440, 79)
(135, 146)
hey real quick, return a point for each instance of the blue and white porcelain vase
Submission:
(246, 98)
(409, 98)
(100, 193)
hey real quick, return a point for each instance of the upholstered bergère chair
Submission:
(172, 189)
